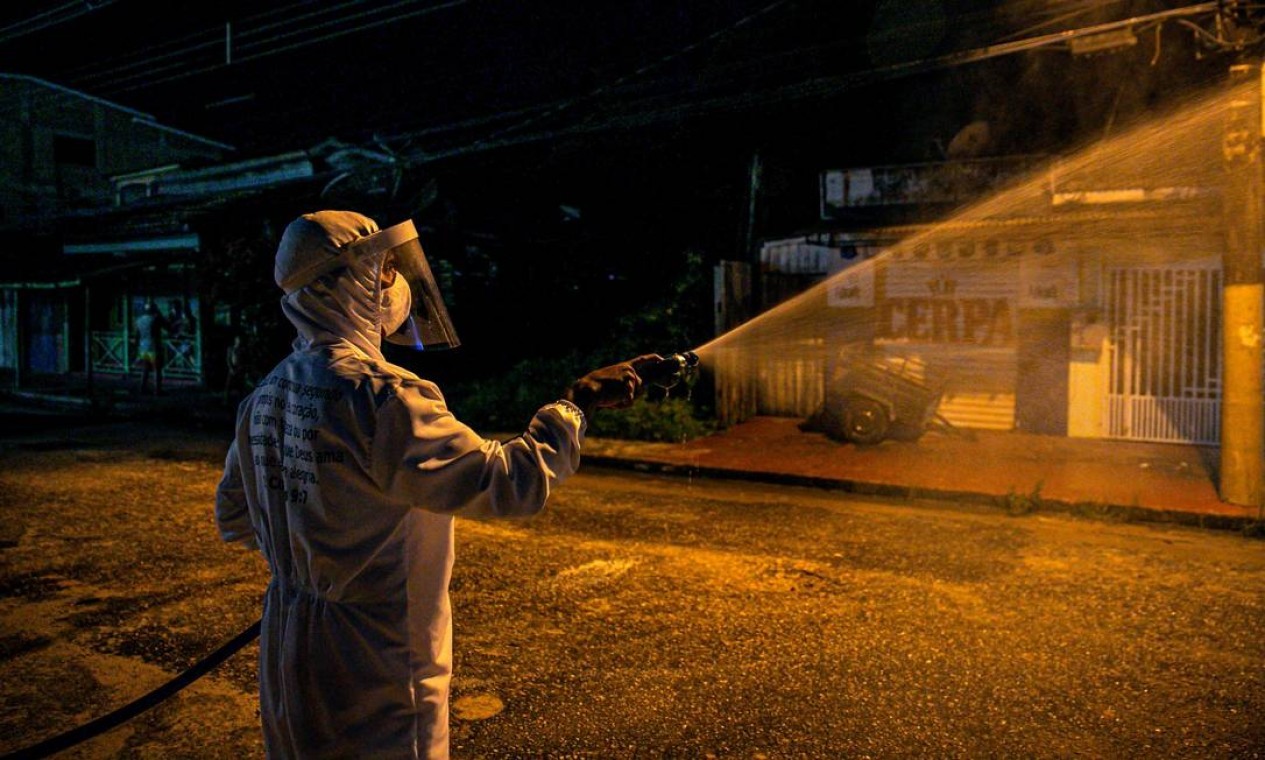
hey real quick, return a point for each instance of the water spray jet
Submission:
(1116, 234)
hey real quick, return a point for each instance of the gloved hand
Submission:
(612, 387)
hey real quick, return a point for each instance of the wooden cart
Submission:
(880, 397)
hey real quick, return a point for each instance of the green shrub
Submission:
(676, 319)
(669, 419)
(507, 402)
(1017, 504)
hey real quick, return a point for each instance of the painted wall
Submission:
(8, 329)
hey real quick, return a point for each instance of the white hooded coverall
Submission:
(346, 472)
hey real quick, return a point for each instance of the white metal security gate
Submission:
(1165, 353)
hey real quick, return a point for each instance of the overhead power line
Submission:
(243, 55)
(52, 17)
(186, 55)
(294, 29)
(138, 58)
(101, 69)
(643, 70)
(826, 86)
(819, 87)
(112, 80)
(1059, 18)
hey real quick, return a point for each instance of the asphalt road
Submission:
(645, 616)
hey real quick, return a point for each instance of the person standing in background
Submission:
(149, 347)
(234, 368)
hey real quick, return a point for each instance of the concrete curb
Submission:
(51, 401)
(175, 409)
(200, 409)
(1013, 505)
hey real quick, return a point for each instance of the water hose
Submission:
(98, 726)
(669, 370)
(666, 373)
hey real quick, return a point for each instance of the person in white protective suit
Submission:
(346, 472)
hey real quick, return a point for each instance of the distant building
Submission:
(60, 147)
(104, 211)
(61, 152)
(1079, 300)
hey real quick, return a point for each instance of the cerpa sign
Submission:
(955, 293)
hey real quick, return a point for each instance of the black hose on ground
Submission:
(98, 726)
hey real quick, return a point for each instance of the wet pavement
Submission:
(650, 616)
(1115, 480)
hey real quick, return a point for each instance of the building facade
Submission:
(1044, 308)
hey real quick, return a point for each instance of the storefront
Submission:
(75, 323)
(1046, 325)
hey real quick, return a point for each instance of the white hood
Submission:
(332, 294)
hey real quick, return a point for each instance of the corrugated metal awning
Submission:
(71, 273)
(186, 242)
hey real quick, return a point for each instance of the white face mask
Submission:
(397, 302)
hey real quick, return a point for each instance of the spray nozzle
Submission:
(670, 370)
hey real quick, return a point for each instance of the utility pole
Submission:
(1242, 442)
(750, 249)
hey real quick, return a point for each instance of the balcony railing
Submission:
(909, 184)
(111, 354)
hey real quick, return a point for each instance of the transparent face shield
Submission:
(428, 326)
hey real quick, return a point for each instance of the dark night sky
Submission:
(642, 114)
(302, 71)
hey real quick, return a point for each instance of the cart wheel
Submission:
(864, 420)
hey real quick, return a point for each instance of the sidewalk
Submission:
(1019, 472)
(117, 399)
(1106, 479)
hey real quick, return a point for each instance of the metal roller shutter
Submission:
(958, 318)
